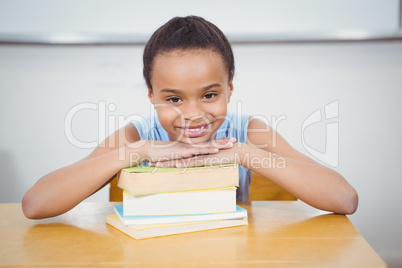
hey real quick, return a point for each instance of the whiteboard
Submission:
(234, 17)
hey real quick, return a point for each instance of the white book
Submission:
(240, 213)
(179, 203)
(148, 231)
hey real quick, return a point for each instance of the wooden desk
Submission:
(280, 234)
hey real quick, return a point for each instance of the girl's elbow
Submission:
(352, 202)
(30, 207)
(27, 207)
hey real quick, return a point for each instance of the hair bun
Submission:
(189, 24)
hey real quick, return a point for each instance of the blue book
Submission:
(240, 213)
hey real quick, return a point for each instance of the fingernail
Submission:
(232, 139)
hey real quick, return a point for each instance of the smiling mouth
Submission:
(194, 131)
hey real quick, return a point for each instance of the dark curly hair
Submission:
(187, 33)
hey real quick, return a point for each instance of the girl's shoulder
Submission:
(235, 125)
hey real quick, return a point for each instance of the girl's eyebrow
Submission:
(170, 90)
(176, 91)
(210, 86)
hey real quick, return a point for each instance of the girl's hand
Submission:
(227, 155)
(161, 151)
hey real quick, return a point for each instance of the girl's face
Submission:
(190, 92)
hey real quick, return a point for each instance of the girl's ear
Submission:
(151, 96)
(230, 90)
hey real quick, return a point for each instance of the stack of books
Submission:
(166, 201)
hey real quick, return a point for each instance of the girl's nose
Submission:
(193, 110)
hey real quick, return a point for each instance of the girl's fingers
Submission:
(188, 151)
(197, 151)
(224, 140)
(171, 163)
(209, 150)
(223, 143)
(180, 163)
(200, 151)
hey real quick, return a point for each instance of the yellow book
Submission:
(155, 230)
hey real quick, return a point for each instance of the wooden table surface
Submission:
(279, 234)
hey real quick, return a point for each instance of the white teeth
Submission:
(195, 129)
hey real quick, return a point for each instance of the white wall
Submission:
(39, 85)
(232, 16)
(366, 79)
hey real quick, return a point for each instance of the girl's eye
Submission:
(209, 95)
(174, 99)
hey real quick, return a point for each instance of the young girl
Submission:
(188, 69)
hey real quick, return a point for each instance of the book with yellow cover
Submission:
(148, 231)
(144, 180)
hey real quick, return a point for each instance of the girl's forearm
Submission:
(63, 189)
(312, 183)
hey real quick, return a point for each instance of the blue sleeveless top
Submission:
(235, 125)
